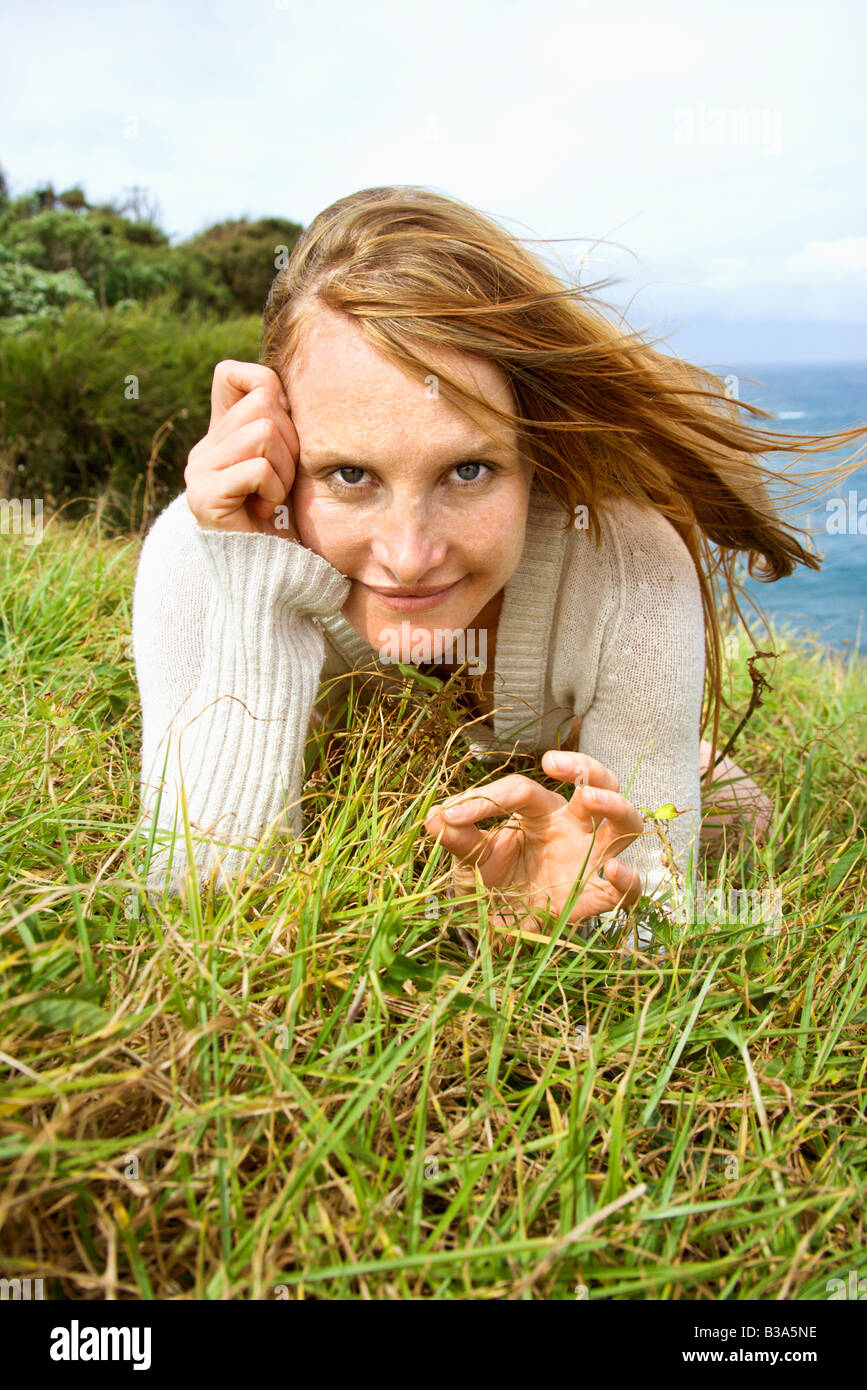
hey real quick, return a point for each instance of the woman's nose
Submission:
(408, 546)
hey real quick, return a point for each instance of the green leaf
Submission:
(463, 1001)
(666, 812)
(66, 1011)
(844, 864)
(30, 931)
(403, 968)
(412, 673)
(51, 713)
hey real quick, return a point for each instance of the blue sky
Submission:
(714, 154)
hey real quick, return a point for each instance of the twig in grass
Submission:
(759, 685)
(574, 1235)
(356, 1003)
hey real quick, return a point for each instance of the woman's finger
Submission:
(579, 768)
(261, 404)
(254, 478)
(624, 885)
(454, 821)
(502, 797)
(463, 841)
(233, 380)
(261, 438)
(616, 820)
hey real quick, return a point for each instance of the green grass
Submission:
(310, 1090)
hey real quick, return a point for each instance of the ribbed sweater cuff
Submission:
(266, 571)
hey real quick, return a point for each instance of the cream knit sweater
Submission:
(233, 634)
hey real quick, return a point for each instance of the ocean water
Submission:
(829, 604)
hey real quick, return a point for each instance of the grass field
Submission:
(310, 1090)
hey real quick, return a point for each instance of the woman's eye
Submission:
(347, 468)
(353, 484)
(472, 463)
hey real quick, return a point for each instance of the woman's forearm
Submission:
(228, 658)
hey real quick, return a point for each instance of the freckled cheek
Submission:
(497, 536)
(325, 526)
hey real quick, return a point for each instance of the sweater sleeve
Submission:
(228, 652)
(643, 722)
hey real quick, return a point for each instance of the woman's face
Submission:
(397, 489)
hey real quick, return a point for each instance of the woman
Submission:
(324, 530)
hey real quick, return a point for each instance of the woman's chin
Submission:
(411, 633)
(388, 631)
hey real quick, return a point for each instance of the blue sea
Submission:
(829, 604)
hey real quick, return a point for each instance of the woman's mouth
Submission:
(413, 602)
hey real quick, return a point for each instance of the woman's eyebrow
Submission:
(480, 448)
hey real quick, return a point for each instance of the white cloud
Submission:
(845, 256)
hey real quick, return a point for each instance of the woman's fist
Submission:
(240, 475)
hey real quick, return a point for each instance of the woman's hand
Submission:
(244, 468)
(536, 858)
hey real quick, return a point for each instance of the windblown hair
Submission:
(601, 413)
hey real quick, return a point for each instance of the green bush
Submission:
(108, 341)
(28, 294)
(116, 258)
(229, 267)
(225, 270)
(88, 398)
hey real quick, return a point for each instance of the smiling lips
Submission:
(413, 600)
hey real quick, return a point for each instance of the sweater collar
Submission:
(524, 630)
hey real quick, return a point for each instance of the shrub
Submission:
(84, 397)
